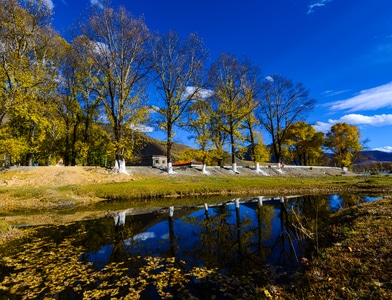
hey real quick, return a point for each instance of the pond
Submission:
(225, 250)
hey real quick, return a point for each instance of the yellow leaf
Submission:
(267, 294)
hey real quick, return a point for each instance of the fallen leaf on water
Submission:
(267, 294)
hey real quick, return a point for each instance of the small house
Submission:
(156, 161)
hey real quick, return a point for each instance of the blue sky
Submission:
(341, 50)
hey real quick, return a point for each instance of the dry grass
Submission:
(354, 260)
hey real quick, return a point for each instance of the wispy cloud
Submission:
(371, 99)
(332, 93)
(315, 4)
(357, 120)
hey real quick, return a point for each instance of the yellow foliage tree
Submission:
(117, 45)
(344, 142)
(304, 144)
(27, 72)
(231, 80)
(178, 65)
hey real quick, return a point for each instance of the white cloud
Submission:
(100, 48)
(322, 126)
(370, 99)
(48, 4)
(384, 149)
(153, 109)
(376, 120)
(357, 120)
(269, 78)
(97, 3)
(317, 3)
(200, 93)
(142, 128)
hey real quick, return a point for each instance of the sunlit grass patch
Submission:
(194, 186)
(4, 226)
(7, 232)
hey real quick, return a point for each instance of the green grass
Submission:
(196, 186)
(27, 193)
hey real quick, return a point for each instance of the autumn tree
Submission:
(230, 79)
(77, 100)
(67, 103)
(344, 142)
(199, 123)
(258, 150)
(283, 104)
(304, 144)
(118, 45)
(178, 67)
(28, 72)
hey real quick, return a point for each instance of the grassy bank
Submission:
(353, 259)
(166, 188)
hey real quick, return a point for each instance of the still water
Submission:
(224, 250)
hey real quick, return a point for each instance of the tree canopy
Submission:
(344, 142)
(304, 143)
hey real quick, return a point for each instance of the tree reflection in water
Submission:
(229, 250)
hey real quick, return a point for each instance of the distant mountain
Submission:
(374, 156)
(150, 146)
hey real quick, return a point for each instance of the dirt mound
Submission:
(58, 176)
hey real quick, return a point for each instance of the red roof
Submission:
(185, 163)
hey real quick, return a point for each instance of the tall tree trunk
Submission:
(73, 146)
(252, 149)
(66, 158)
(204, 160)
(275, 148)
(169, 149)
(86, 139)
(232, 142)
(120, 158)
(29, 156)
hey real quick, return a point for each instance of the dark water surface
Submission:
(224, 250)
